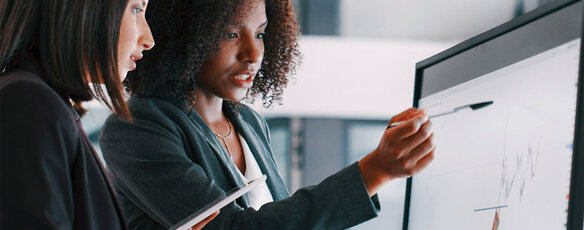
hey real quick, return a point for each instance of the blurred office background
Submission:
(358, 71)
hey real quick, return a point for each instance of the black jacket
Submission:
(50, 176)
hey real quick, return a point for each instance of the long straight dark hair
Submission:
(74, 39)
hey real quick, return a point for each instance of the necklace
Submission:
(224, 138)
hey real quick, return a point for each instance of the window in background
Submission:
(280, 142)
(318, 17)
(415, 19)
(92, 122)
(363, 136)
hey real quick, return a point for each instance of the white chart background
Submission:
(515, 153)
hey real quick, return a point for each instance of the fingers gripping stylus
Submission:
(474, 107)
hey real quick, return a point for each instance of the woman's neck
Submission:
(210, 108)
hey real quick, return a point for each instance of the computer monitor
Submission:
(507, 113)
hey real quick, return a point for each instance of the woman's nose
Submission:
(146, 39)
(251, 50)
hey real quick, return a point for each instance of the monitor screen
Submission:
(503, 106)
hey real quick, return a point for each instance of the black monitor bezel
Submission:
(576, 202)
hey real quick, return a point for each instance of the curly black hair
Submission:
(188, 32)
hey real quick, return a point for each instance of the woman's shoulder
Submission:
(20, 89)
(147, 111)
(149, 103)
(153, 108)
(15, 81)
(30, 108)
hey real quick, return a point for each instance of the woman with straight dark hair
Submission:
(50, 52)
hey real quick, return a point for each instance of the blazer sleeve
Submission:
(37, 145)
(152, 169)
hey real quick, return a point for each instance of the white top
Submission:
(260, 194)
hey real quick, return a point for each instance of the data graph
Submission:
(518, 166)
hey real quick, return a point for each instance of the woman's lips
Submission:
(132, 65)
(133, 59)
(242, 80)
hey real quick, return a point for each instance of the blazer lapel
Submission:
(229, 167)
(261, 152)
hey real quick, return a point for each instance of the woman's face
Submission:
(135, 36)
(230, 72)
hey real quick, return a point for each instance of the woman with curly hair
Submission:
(192, 139)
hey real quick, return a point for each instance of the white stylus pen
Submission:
(474, 107)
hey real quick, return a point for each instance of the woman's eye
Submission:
(137, 10)
(232, 35)
(260, 35)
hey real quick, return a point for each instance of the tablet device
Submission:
(217, 204)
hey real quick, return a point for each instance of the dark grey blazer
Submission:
(50, 176)
(167, 164)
